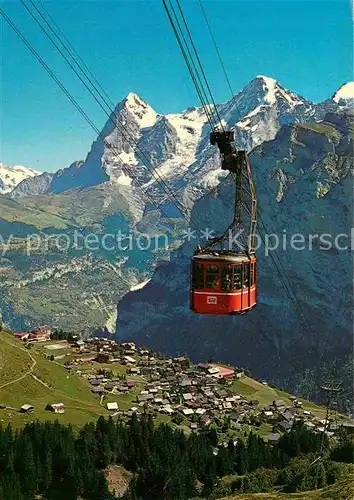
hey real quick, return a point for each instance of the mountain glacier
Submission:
(11, 176)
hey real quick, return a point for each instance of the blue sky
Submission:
(129, 46)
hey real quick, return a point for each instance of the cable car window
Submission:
(252, 277)
(255, 271)
(226, 278)
(237, 277)
(246, 275)
(212, 278)
(198, 276)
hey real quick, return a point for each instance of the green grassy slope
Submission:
(38, 216)
(75, 208)
(342, 490)
(26, 377)
(265, 394)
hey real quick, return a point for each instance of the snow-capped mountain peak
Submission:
(10, 177)
(345, 93)
(262, 95)
(142, 112)
(269, 88)
(273, 91)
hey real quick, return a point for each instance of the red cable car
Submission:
(223, 284)
(224, 280)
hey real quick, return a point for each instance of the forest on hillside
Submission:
(55, 461)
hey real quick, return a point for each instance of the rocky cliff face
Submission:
(304, 187)
(40, 184)
(136, 140)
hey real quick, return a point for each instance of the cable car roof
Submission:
(225, 257)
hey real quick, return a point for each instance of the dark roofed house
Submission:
(180, 359)
(27, 408)
(103, 357)
(273, 438)
(288, 415)
(205, 419)
(285, 425)
(145, 397)
(97, 390)
(203, 366)
(110, 386)
(41, 333)
(95, 382)
(56, 408)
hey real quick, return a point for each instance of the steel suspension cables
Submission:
(189, 51)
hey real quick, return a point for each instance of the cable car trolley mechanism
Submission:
(224, 270)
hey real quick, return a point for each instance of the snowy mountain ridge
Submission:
(11, 176)
(176, 146)
(138, 146)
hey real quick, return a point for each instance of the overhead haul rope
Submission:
(129, 138)
(73, 50)
(216, 47)
(177, 203)
(200, 64)
(176, 27)
(125, 167)
(228, 107)
(192, 62)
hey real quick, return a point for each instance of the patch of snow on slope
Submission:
(10, 177)
(346, 91)
(212, 179)
(128, 158)
(244, 123)
(139, 286)
(124, 179)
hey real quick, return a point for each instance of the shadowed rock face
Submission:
(37, 185)
(304, 185)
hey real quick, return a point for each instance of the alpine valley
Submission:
(302, 163)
